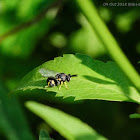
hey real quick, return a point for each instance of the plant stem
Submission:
(88, 9)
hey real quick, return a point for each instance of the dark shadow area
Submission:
(88, 137)
(97, 80)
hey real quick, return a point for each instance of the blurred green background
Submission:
(33, 32)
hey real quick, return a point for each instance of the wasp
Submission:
(54, 78)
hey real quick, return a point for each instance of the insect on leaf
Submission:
(96, 79)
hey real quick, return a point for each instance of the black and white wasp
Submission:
(54, 78)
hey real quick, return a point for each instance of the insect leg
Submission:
(61, 85)
(66, 85)
(48, 85)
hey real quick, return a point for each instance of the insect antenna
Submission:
(73, 75)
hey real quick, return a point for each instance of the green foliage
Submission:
(85, 40)
(43, 135)
(12, 121)
(125, 21)
(49, 36)
(96, 79)
(68, 126)
(22, 43)
(110, 43)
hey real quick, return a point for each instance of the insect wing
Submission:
(47, 73)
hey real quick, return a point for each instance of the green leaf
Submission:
(43, 135)
(96, 79)
(12, 121)
(68, 126)
(134, 116)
